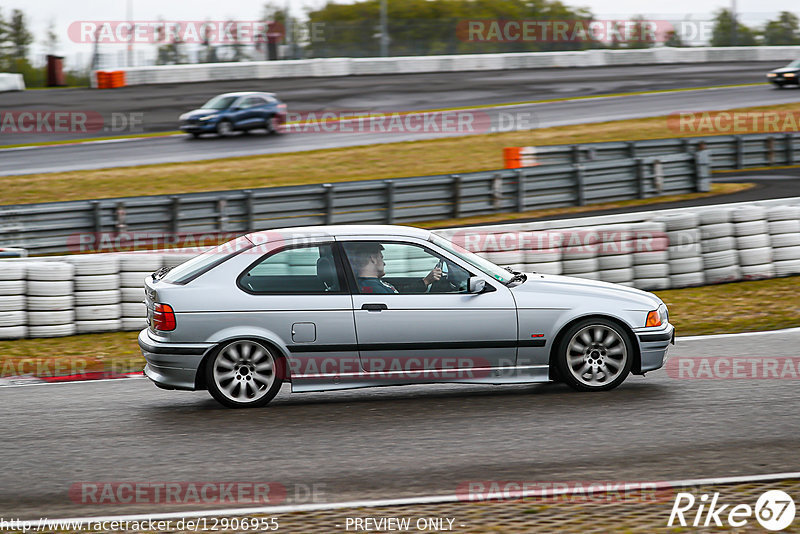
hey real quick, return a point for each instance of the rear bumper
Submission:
(653, 347)
(171, 365)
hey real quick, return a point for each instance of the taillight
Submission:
(163, 317)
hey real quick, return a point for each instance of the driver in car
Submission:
(368, 264)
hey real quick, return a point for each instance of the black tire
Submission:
(581, 346)
(228, 377)
(271, 125)
(196, 135)
(224, 128)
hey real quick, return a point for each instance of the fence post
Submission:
(520, 191)
(175, 211)
(497, 191)
(770, 141)
(658, 175)
(456, 195)
(389, 201)
(702, 171)
(739, 152)
(580, 195)
(789, 140)
(631, 149)
(97, 214)
(576, 154)
(222, 217)
(641, 188)
(120, 215)
(328, 189)
(248, 211)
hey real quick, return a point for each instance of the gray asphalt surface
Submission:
(161, 104)
(182, 148)
(429, 91)
(399, 441)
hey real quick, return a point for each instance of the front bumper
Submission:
(172, 365)
(199, 127)
(782, 80)
(653, 347)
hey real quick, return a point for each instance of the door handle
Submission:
(374, 307)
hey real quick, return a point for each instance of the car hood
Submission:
(580, 287)
(202, 112)
(783, 70)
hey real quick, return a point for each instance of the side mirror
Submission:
(476, 285)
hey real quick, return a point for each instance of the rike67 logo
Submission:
(774, 510)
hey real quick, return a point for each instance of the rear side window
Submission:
(188, 271)
(308, 269)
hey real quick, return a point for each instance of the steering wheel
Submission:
(450, 281)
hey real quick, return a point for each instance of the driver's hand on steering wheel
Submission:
(434, 276)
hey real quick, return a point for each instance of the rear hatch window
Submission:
(188, 271)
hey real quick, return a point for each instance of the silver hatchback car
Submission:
(341, 307)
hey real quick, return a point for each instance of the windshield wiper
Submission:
(160, 273)
(518, 276)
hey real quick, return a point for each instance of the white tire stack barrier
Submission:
(543, 255)
(134, 269)
(13, 286)
(97, 293)
(50, 298)
(504, 250)
(753, 242)
(685, 260)
(718, 245)
(784, 235)
(614, 257)
(175, 259)
(579, 253)
(650, 254)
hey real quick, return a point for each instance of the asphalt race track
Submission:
(161, 104)
(178, 148)
(400, 441)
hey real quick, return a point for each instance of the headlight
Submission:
(790, 75)
(206, 117)
(771, 75)
(657, 317)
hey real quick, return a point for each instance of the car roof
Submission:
(248, 93)
(343, 230)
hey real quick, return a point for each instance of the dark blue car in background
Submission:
(231, 112)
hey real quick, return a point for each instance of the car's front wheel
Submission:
(224, 128)
(244, 374)
(594, 355)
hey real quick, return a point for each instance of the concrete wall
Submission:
(467, 62)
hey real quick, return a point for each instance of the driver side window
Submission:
(389, 267)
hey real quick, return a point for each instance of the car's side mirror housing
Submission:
(476, 284)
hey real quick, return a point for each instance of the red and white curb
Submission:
(30, 380)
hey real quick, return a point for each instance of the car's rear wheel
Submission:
(594, 355)
(273, 125)
(244, 374)
(224, 128)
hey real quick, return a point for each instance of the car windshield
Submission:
(794, 64)
(498, 273)
(188, 271)
(220, 102)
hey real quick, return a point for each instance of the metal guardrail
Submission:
(729, 152)
(66, 226)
